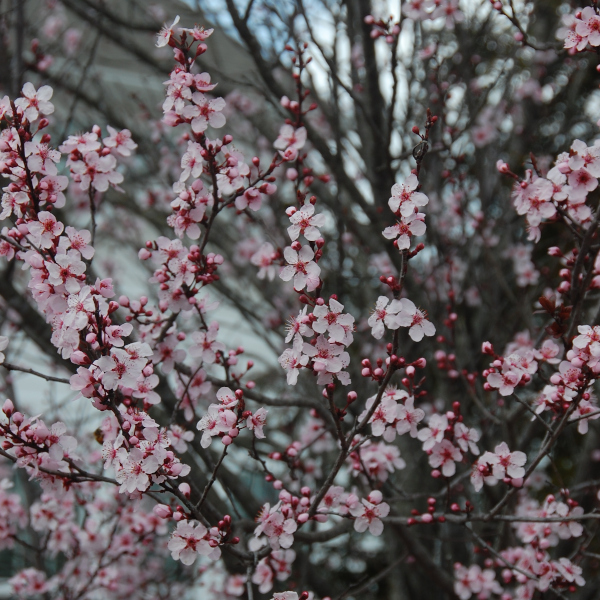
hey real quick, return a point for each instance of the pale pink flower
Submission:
(505, 381)
(368, 515)
(204, 112)
(292, 360)
(264, 258)
(289, 137)
(206, 345)
(256, 422)
(302, 268)
(403, 230)
(445, 455)
(434, 433)
(215, 422)
(589, 26)
(298, 325)
(163, 37)
(466, 438)
(120, 141)
(408, 417)
(44, 231)
(410, 316)
(188, 541)
(306, 223)
(33, 102)
(384, 315)
(331, 319)
(404, 197)
(509, 464)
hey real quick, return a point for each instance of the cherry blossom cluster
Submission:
(325, 356)
(445, 439)
(12, 514)
(500, 465)
(580, 29)
(92, 162)
(97, 550)
(514, 370)
(30, 164)
(523, 266)
(395, 414)
(141, 453)
(564, 189)
(44, 452)
(191, 539)
(275, 567)
(400, 313)
(529, 567)
(405, 203)
(228, 417)
(376, 461)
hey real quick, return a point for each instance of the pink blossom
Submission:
(408, 417)
(434, 433)
(410, 316)
(206, 344)
(405, 199)
(204, 112)
(306, 223)
(292, 360)
(331, 319)
(45, 230)
(444, 455)
(368, 515)
(403, 230)
(120, 141)
(188, 541)
(162, 39)
(589, 26)
(384, 315)
(33, 102)
(289, 137)
(256, 422)
(302, 268)
(264, 258)
(466, 438)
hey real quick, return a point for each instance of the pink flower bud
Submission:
(80, 358)
(163, 511)
(375, 497)
(185, 489)
(8, 407)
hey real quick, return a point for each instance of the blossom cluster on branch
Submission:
(435, 382)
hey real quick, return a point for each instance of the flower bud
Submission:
(163, 511)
